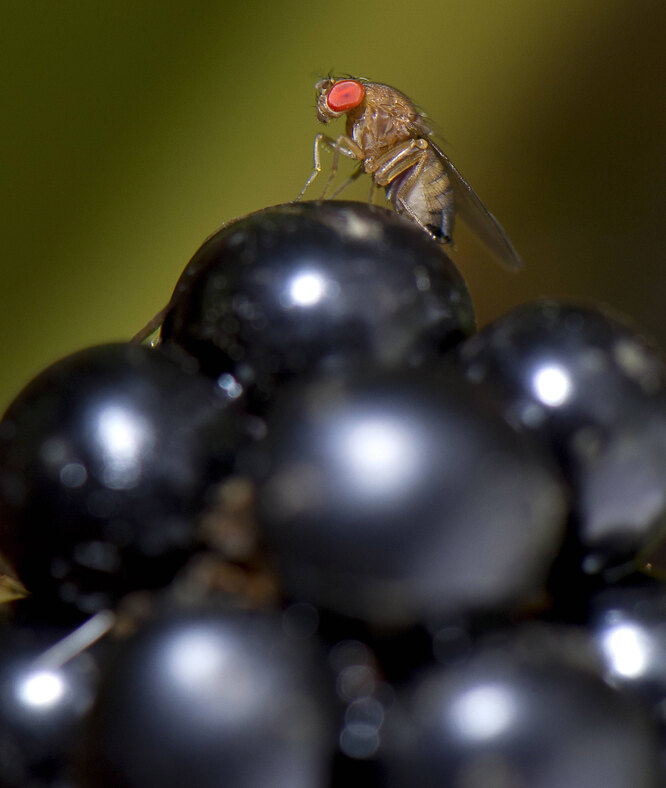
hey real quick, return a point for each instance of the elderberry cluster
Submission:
(321, 532)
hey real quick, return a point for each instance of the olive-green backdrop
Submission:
(131, 130)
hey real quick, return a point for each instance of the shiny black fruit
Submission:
(525, 711)
(212, 699)
(46, 690)
(397, 495)
(309, 285)
(104, 462)
(593, 389)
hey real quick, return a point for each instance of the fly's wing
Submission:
(478, 218)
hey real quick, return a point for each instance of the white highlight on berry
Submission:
(122, 436)
(41, 689)
(379, 453)
(120, 432)
(214, 670)
(307, 288)
(552, 385)
(195, 658)
(626, 650)
(483, 712)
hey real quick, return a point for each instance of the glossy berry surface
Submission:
(308, 285)
(214, 698)
(520, 711)
(43, 706)
(592, 388)
(628, 627)
(392, 496)
(104, 461)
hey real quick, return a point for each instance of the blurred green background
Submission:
(132, 130)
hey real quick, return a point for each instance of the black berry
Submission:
(213, 698)
(309, 285)
(398, 495)
(104, 462)
(521, 711)
(592, 388)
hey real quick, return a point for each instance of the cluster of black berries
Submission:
(324, 534)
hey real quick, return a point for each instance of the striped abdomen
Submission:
(428, 199)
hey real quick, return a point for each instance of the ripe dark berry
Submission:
(43, 705)
(214, 699)
(526, 711)
(591, 388)
(397, 495)
(104, 461)
(310, 285)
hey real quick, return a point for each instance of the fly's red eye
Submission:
(345, 95)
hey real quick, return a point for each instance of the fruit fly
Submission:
(391, 138)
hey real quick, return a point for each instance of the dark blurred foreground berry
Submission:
(593, 389)
(44, 700)
(307, 285)
(522, 712)
(104, 461)
(213, 699)
(398, 496)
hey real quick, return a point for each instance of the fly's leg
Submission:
(400, 158)
(342, 145)
(394, 162)
(353, 177)
(405, 188)
(347, 147)
(317, 164)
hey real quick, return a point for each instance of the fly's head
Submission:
(336, 97)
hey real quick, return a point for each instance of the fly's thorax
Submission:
(376, 131)
(384, 119)
(392, 102)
